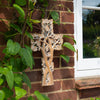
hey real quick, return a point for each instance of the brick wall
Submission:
(64, 83)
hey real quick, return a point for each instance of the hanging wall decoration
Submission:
(47, 42)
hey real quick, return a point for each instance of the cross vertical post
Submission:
(47, 42)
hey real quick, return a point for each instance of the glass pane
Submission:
(94, 3)
(91, 33)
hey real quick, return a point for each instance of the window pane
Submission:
(94, 3)
(91, 33)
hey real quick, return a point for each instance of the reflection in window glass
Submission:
(93, 3)
(91, 33)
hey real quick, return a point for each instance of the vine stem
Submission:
(24, 26)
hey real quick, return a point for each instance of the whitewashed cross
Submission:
(47, 42)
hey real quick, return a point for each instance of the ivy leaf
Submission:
(13, 98)
(17, 64)
(40, 96)
(69, 46)
(20, 10)
(18, 79)
(30, 98)
(35, 21)
(19, 92)
(2, 95)
(26, 79)
(1, 81)
(29, 35)
(17, 48)
(13, 47)
(20, 2)
(16, 27)
(29, 49)
(69, 38)
(26, 57)
(9, 77)
(54, 15)
(8, 92)
(97, 99)
(66, 58)
(29, 24)
(31, 6)
(46, 98)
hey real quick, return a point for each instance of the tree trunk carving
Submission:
(47, 42)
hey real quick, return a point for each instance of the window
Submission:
(87, 33)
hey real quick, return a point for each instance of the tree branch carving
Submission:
(47, 42)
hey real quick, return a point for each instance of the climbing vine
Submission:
(18, 54)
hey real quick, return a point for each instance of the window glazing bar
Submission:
(91, 8)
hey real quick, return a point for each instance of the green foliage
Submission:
(69, 46)
(19, 93)
(40, 96)
(55, 16)
(20, 10)
(26, 57)
(26, 79)
(16, 27)
(2, 95)
(69, 38)
(97, 98)
(10, 78)
(20, 2)
(18, 55)
(30, 98)
(13, 48)
(1, 81)
(18, 79)
(66, 58)
(8, 92)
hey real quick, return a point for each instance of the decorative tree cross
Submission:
(47, 42)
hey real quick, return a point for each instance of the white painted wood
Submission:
(83, 67)
(91, 8)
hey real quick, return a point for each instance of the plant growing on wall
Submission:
(18, 55)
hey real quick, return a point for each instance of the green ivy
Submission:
(18, 55)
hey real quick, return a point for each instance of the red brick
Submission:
(4, 26)
(6, 13)
(37, 54)
(65, 39)
(67, 17)
(87, 93)
(2, 40)
(34, 76)
(64, 28)
(37, 64)
(36, 14)
(4, 3)
(68, 52)
(54, 5)
(65, 64)
(71, 95)
(63, 73)
(43, 89)
(1, 54)
(58, 53)
(68, 84)
(36, 28)
(56, 62)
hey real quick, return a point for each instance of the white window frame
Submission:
(83, 67)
